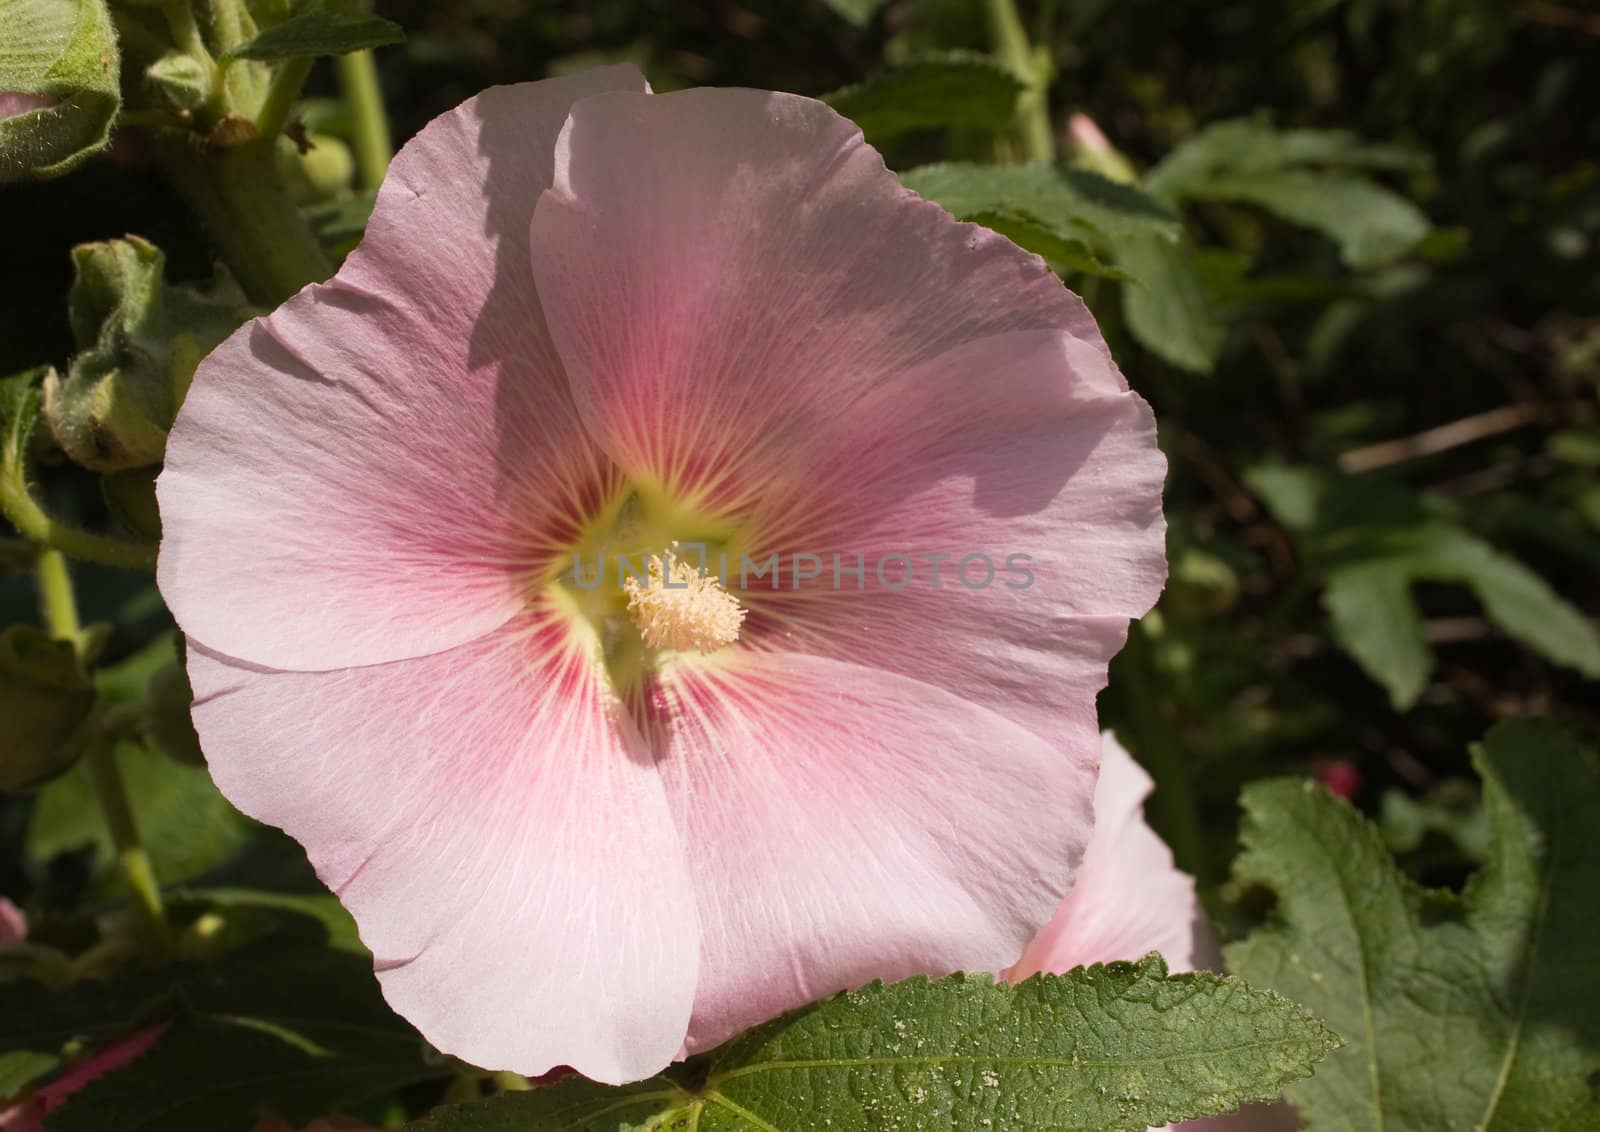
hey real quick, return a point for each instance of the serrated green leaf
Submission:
(1477, 1011)
(1169, 308)
(319, 31)
(62, 55)
(1065, 255)
(950, 89)
(1120, 1046)
(1073, 204)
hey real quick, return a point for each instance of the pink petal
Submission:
(13, 924)
(375, 470)
(725, 269)
(1129, 898)
(845, 824)
(14, 103)
(501, 838)
(1021, 444)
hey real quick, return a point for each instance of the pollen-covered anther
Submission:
(680, 608)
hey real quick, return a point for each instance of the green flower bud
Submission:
(325, 169)
(60, 86)
(45, 699)
(178, 81)
(139, 342)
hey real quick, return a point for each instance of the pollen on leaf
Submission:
(680, 608)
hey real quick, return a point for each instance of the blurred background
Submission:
(1374, 355)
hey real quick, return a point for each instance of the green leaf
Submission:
(319, 31)
(20, 399)
(1072, 203)
(1169, 308)
(1120, 1046)
(60, 55)
(1251, 146)
(1065, 255)
(21, 1068)
(323, 907)
(1370, 224)
(340, 224)
(1375, 619)
(45, 697)
(1248, 161)
(186, 824)
(948, 89)
(1075, 219)
(1513, 596)
(1294, 494)
(285, 1024)
(1476, 1011)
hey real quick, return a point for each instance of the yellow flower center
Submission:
(639, 582)
(679, 608)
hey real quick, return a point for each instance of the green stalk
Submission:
(1033, 105)
(265, 241)
(281, 95)
(370, 138)
(60, 609)
(34, 523)
(56, 600)
(112, 792)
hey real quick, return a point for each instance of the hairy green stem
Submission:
(358, 76)
(265, 241)
(1011, 46)
(34, 523)
(281, 94)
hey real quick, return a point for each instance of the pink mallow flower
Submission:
(598, 824)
